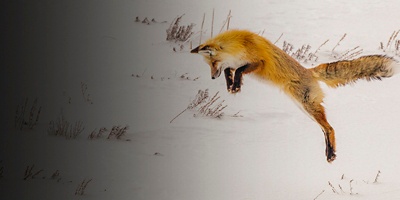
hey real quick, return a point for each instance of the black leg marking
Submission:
(237, 80)
(235, 83)
(329, 151)
(228, 78)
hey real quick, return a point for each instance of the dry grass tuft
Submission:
(20, 120)
(62, 127)
(302, 54)
(178, 33)
(350, 53)
(97, 134)
(338, 43)
(56, 176)
(116, 132)
(392, 40)
(205, 106)
(80, 190)
(30, 174)
(211, 108)
(377, 176)
(85, 94)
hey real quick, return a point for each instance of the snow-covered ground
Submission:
(271, 151)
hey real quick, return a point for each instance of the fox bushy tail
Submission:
(374, 67)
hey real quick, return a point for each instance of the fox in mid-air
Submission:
(238, 52)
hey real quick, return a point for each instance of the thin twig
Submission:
(22, 117)
(377, 176)
(347, 55)
(261, 33)
(201, 30)
(351, 187)
(229, 20)
(226, 22)
(321, 46)
(339, 41)
(178, 115)
(278, 38)
(212, 23)
(333, 188)
(392, 37)
(319, 194)
(341, 189)
(80, 190)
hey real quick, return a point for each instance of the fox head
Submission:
(218, 58)
(231, 49)
(211, 57)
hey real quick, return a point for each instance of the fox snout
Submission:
(195, 50)
(215, 73)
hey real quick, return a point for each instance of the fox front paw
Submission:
(229, 89)
(234, 89)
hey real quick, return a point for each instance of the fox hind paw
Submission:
(330, 154)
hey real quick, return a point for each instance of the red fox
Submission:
(238, 52)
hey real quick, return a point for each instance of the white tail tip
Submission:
(394, 67)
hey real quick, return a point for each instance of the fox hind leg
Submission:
(329, 134)
(317, 111)
(310, 97)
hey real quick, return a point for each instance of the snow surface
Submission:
(272, 151)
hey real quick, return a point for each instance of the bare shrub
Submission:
(287, 47)
(178, 33)
(147, 21)
(212, 109)
(392, 40)
(302, 54)
(338, 43)
(80, 190)
(184, 77)
(20, 120)
(350, 53)
(56, 175)
(30, 174)
(85, 94)
(97, 134)
(206, 106)
(117, 132)
(62, 127)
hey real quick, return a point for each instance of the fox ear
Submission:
(205, 50)
(195, 50)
